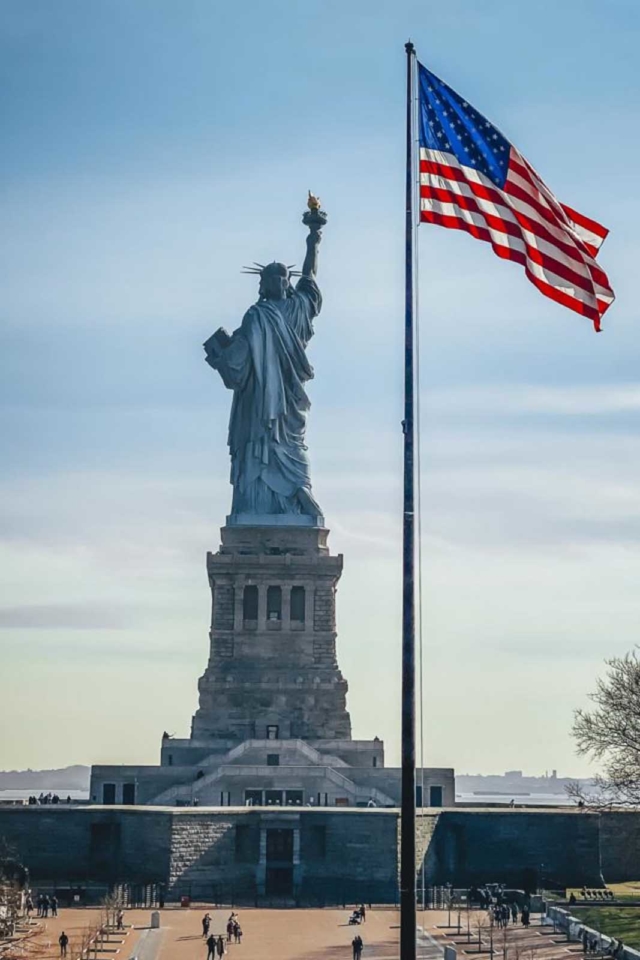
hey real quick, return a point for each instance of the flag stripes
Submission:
(523, 223)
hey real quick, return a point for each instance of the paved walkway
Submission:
(296, 935)
(536, 942)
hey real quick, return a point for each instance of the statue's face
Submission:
(274, 281)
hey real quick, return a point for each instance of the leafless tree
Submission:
(610, 733)
(483, 922)
(505, 940)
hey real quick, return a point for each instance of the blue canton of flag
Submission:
(449, 123)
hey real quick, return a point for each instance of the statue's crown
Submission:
(281, 269)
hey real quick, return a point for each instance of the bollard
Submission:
(155, 920)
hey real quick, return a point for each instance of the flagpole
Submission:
(408, 811)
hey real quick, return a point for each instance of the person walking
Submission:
(357, 945)
(206, 923)
(45, 906)
(63, 940)
(363, 913)
(54, 906)
(514, 912)
(120, 920)
(220, 946)
(211, 947)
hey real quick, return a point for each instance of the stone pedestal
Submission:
(272, 672)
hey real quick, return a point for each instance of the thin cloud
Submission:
(81, 616)
(522, 399)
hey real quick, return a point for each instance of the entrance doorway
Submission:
(279, 881)
(279, 846)
(279, 874)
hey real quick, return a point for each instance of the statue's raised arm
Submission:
(264, 362)
(315, 219)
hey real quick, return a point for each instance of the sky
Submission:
(151, 149)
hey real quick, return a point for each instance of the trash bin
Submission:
(185, 901)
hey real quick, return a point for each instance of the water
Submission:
(477, 799)
(530, 799)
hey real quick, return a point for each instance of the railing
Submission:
(576, 931)
(188, 791)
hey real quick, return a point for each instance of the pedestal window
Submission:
(250, 604)
(298, 602)
(274, 604)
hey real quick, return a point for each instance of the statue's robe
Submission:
(266, 366)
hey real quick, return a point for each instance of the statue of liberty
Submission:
(264, 362)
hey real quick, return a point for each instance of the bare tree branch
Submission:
(610, 733)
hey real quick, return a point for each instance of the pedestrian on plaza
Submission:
(206, 923)
(357, 945)
(238, 933)
(45, 906)
(120, 920)
(230, 923)
(63, 940)
(29, 906)
(363, 913)
(220, 946)
(514, 912)
(211, 947)
(54, 906)
(525, 915)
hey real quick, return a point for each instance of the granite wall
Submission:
(515, 847)
(620, 845)
(90, 843)
(340, 856)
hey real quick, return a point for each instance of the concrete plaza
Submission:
(291, 934)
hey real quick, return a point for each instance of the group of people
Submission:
(45, 905)
(357, 946)
(592, 944)
(359, 915)
(503, 913)
(493, 897)
(215, 943)
(45, 798)
(486, 896)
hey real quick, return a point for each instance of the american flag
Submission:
(473, 179)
